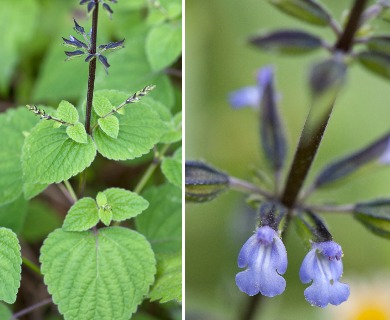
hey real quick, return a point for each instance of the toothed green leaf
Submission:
(12, 215)
(171, 168)
(67, 112)
(82, 216)
(77, 133)
(105, 216)
(10, 265)
(102, 105)
(100, 275)
(110, 126)
(139, 130)
(124, 204)
(50, 156)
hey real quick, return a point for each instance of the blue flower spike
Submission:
(251, 96)
(323, 266)
(265, 257)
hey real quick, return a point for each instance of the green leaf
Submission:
(287, 41)
(110, 126)
(102, 105)
(376, 62)
(40, 221)
(139, 130)
(163, 45)
(173, 133)
(161, 222)
(165, 10)
(18, 20)
(171, 168)
(124, 204)
(10, 265)
(168, 285)
(101, 275)
(82, 216)
(101, 199)
(5, 313)
(14, 125)
(379, 44)
(50, 156)
(12, 215)
(375, 216)
(105, 215)
(30, 190)
(67, 112)
(77, 133)
(305, 10)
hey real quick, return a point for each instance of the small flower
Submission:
(385, 158)
(251, 96)
(323, 266)
(266, 258)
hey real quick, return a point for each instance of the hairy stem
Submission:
(31, 265)
(345, 41)
(92, 69)
(253, 303)
(31, 308)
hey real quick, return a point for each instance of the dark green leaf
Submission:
(287, 41)
(353, 162)
(376, 62)
(380, 44)
(203, 182)
(375, 216)
(305, 10)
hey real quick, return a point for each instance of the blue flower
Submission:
(323, 266)
(266, 258)
(385, 158)
(251, 96)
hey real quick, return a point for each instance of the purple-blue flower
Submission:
(385, 158)
(251, 96)
(265, 257)
(323, 266)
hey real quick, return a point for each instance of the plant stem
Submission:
(92, 69)
(345, 41)
(70, 190)
(247, 187)
(253, 304)
(31, 308)
(31, 265)
(149, 171)
(346, 208)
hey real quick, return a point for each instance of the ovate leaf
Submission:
(139, 130)
(305, 10)
(77, 133)
(168, 285)
(376, 62)
(10, 265)
(171, 168)
(102, 105)
(50, 156)
(101, 275)
(203, 182)
(67, 112)
(82, 216)
(287, 41)
(163, 45)
(174, 132)
(110, 126)
(161, 222)
(105, 216)
(124, 204)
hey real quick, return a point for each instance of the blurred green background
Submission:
(219, 60)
